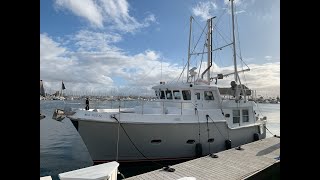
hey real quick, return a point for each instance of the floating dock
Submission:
(256, 160)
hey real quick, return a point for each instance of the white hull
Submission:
(101, 137)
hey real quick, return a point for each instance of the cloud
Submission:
(261, 77)
(113, 13)
(101, 69)
(109, 69)
(87, 9)
(90, 41)
(204, 9)
(236, 2)
(268, 58)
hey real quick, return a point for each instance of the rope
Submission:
(196, 111)
(182, 71)
(208, 135)
(166, 168)
(207, 116)
(270, 132)
(224, 117)
(201, 61)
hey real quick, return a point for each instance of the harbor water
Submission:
(62, 149)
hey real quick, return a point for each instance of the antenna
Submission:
(182, 69)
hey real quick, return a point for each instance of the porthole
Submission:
(156, 141)
(191, 141)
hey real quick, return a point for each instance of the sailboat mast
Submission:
(189, 48)
(61, 89)
(234, 46)
(209, 46)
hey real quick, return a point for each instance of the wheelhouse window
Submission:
(186, 94)
(198, 95)
(236, 116)
(162, 95)
(176, 94)
(245, 115)
(208, 95)
(169, 94)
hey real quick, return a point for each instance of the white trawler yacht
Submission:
(187, 120)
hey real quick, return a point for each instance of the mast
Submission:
(234, 46)
(209, 49)
(209, 46)
(189, 49)
(61, 89)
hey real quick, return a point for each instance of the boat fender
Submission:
(198, 150)
(256, 137)
(228, 144)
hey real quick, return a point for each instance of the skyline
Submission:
(104, 45)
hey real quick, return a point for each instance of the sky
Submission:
(121, 47)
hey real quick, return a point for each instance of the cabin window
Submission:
(157, 94)
(162, 95)
(169, 94)
(198, 95)
(176, 94)
(245, 115)
(186, 94)
(236, 116)
(208, 95)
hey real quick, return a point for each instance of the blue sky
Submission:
(118, 45)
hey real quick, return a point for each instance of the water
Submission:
(62, 149)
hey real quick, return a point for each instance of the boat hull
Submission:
(160, 141)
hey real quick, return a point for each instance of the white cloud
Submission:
(204, 9)
(102, 69)
(89, 41)
(236, 2)
(261, 77)
(87, 9)
(268, 58)
(108, 68)
(49, 48)
(114, 13)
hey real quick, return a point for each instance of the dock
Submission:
(250, 161)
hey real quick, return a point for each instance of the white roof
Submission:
(101, 171)
(184, 86)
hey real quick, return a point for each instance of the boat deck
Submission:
(254, 157)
